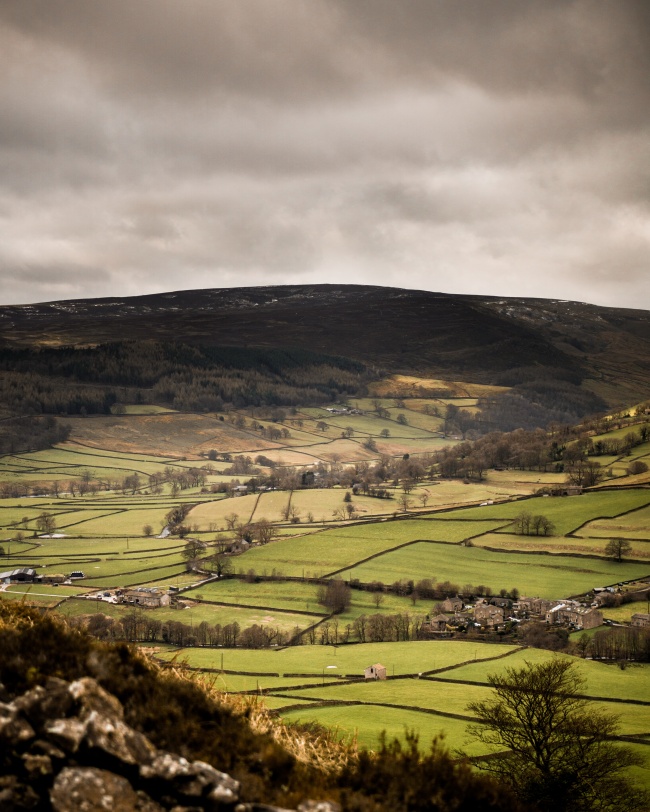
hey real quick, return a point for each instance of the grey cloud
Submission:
(489, 147)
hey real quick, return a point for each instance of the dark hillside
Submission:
(471, 338)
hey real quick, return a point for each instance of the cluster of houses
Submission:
(494, 613)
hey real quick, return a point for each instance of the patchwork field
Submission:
(442, 532)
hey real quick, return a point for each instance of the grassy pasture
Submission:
(343, 450)
(143, 408)
(285, 456)
(559, 544)
(603, 680)
(632, 525)
(287, 595)
(404, 658)
(41, 595)
(136, 578)
(449, 698)
(180, 579)
(128, 522)
(107, 546)
(396, 446)
(620, 434)
(215, 512)
(569, 512)
(26, 596)
(236, 683)
(544, 576)
(298, 436)
(323, 502)
(430, 528)
(365, 723)
(290, 595)
(193, 615)
(416, 693)
(331, 550)
(74, 461)
(623, 613)
(371, 425)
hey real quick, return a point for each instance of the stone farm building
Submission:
(376, 671)
(149, 597)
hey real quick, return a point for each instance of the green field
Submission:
(574, 545)
(193, 615)
(569, 512)
(365, 725)
(103, 535)
(402, 658)
(543, 576)
(289, 595)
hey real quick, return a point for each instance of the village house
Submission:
(451, 605)
(526, 607)
(436, 627)
(573, 614)
(148, 597)
(376, 671)
(641, 619)
(488, 615)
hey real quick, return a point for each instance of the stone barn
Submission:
(376, 671)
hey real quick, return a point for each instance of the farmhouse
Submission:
(376, 671)
(149, 597)
(641, 619)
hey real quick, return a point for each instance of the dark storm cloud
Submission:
(462, 146)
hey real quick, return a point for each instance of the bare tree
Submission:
(560, 754)
(618, 548)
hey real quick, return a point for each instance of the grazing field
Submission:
(442, 532)
(633, 525)
(193, 615)
(333, 550)
(289, 595)
(403, 658)
(364, 724)
(569, 513)
(559, 544)
(211, 515)
(543, 576)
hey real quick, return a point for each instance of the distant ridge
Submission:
(474, 338)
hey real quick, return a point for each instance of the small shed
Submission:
(376, 671)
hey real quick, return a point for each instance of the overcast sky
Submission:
(469, 146)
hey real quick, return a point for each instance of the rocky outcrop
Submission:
(65, 747)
